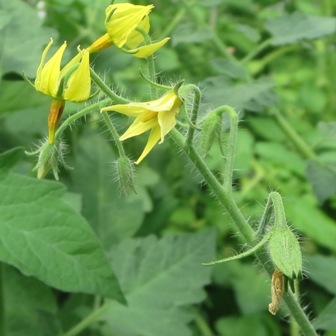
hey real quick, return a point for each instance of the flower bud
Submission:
(285, 251)
(125, 174)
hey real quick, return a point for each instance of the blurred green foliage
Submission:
(275, 63)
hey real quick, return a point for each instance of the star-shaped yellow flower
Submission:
(158, 115)
(124, 23)
(72, 82)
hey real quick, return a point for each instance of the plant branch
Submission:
(114, 134)
(243, 227)
(304, 149)
(225, 199)
(71, 119)
(83, 324)
(104, 88)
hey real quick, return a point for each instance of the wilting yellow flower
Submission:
(72, 83)
(124, 23)
(158, 115)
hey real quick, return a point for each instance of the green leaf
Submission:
(291, 28)
(256, 325)
(228, 68)
(254, 96)
(281, 156)
(10, 158)
(42, 236)
(322, 269)
(161, 278)
(24, 299)
(304, 215)
(322, 176)
(24, 38)
(189, 33)
(251, 287)
(29, 100)
(103, 205)
(326, 319)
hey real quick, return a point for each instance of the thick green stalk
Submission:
(225, 199)
(244, 228)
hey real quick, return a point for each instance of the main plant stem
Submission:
(241, 224)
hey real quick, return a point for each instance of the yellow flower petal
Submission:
(39, 84)
(50, 73)
(153, 139)
(79, 84)
(122, 19)
(167, 121)
(135, 38)
(101, 43)
(127, 109)
(138, 127)
(150, 49)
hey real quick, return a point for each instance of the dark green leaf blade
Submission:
(42, 236)
(291, 28)
(23, 31)
(326, 319)
(322, 176)
(9, 158)
(322, 269)
(103, 205)
(161, 279)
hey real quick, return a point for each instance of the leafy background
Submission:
(83, 241)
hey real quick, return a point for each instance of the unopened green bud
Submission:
(50, 156)
(125, 174)
(211, 126)
(285, 251)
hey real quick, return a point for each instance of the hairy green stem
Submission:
(114, 134)
(244, 228)
(83, 324)
(71, 119)
(104, 88)
(299, 143)
(225, 199)
(150, 63)
(231, 148)
(194, 112)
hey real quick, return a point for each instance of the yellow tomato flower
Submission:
(72, 83)
(124, 23)
(158, 115)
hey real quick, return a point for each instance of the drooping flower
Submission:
(72, 82)
(125, 23)
(158, 116)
